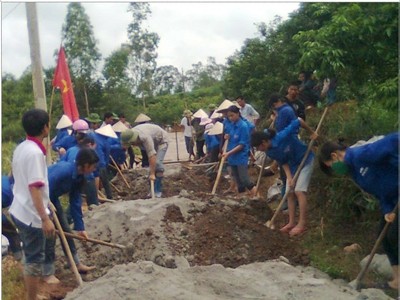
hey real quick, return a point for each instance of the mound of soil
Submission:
(188, 224)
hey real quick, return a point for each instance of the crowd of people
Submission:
(89, 149)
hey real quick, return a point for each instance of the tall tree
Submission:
(143, 51)
(167, 80)
(81, 51)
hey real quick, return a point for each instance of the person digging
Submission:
(154, 140)
(374, 168)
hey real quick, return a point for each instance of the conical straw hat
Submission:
(107, 131)
(218, 128)
(142, 118)
(215, 115)
(119, 127)
(200, 114)
(224, 105)
(64, 122)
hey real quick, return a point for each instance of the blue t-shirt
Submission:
(288, 149)
(238, 135)
(212, 141)
(66, 142)
(374, 167)
(64, 179)
(286, 115)
(6, 191)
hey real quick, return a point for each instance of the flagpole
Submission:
(48, 151)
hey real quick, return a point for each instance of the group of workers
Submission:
(228, 132)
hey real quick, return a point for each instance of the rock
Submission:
(184, 232)
(184, 193)
(284, 259)
(149, 232)
(170, 262)
(380, 264)
(352, 248)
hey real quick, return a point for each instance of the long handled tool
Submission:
(120, 172)
(270, 224)
(153, 196)
(357, 282)
(66, 246)
(260, 174)
(94, 241)
(221, 164)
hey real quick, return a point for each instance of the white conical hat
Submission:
(224, 105)
(200, 114)
(215, 115)
(142, 118)
(107, 131)
(218, 128)
(119, 127)
(64, 122)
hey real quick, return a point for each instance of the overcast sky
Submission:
(189, 32)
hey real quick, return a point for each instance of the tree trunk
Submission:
(86, 99)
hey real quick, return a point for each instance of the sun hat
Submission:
(187, 113)
(218, 128)
(208, 127)
(224, 105)
(200, 114)
(142, 118)
(215, 115)
(129, 136)
(93, 118)
(80, 125)
(119, 127)
(107, 130)
(64, 122)
(205, 121)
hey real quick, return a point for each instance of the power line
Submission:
(10, 11)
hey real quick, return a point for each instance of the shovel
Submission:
(94, 241)
(270, 224)
(356, 283)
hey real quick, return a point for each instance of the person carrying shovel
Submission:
(288, 151)
(374, 168)
(154, 140)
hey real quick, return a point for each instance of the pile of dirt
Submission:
(182, 237)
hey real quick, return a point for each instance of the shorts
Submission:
(33, 246)
(304, 178)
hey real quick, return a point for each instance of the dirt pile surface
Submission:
(183, 246)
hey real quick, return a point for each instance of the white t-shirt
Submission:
(248, 112)
(28, 167)
(188, 128)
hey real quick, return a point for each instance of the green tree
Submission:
(143, 51)
(358, 43)
(167, 80)
(81, 51)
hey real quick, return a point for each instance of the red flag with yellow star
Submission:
(62, 80)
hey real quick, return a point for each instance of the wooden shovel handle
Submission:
(94, 241)
(221, 164)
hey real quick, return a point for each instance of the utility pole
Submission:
(39, 92)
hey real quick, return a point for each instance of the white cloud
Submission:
(189, 32)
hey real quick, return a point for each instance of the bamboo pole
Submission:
(66, 246)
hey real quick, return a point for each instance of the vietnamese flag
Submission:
(62, 80)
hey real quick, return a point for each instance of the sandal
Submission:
(297, 231)
(287, 228)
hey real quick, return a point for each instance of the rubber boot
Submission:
(158, 187)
